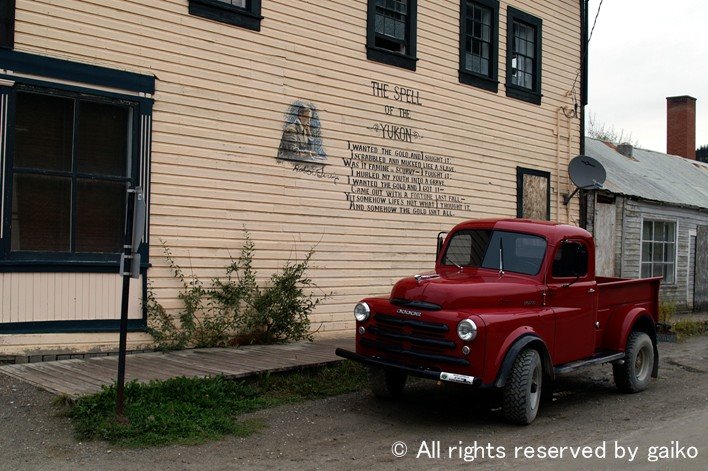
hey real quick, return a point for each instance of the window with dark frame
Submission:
(242, 13)
(391, 32)
(7, 24)
(73, 156)
(479, 40)
(523, 75)
(533, 194)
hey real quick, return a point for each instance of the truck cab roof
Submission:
(551, 231)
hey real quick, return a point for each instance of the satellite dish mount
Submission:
(586, 173)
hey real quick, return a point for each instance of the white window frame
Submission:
(676, 238)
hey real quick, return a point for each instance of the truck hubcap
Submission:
(535, 387)
(641, 364)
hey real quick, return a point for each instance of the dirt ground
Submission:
(665, 426)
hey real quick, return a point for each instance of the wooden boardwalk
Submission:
(76, 378)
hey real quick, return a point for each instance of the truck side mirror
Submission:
(441, 240)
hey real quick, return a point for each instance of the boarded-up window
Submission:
(533, 193)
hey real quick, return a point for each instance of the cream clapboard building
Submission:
(360, 128)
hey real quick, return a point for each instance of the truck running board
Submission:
(604, 357)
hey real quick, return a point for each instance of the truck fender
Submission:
(640, 320)
(526, 340)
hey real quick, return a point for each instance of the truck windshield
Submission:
(522, 253)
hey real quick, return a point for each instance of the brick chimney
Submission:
(681, 126)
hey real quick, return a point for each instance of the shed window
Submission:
(659, 250)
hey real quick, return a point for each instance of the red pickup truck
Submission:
(511, 304)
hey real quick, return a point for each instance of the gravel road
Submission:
(660, 428)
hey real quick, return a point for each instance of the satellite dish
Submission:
(587, 174)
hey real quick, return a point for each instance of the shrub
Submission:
(235, 309)
(667, 309)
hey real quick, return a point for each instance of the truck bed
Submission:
(616, 296)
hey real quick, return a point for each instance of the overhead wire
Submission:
(572, 92)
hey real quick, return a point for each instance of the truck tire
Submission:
(522, 391)
(634, 373)
(386, 384)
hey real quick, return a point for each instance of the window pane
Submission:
(484, 67)
(659, 231)
(669, 253)
(43, 131)
(487, 33)
(100, 208)
(646, 252)
(646, 270)
(379, 24)
(389, 27)
(669, 274)
(459, 250)
(102, 138)
(647, 230)
(236, 3)
(658, 252)
(670, 231)
(41, 213)
(400, 30)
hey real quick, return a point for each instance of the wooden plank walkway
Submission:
(75, 378)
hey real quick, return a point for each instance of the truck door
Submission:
(573, 296)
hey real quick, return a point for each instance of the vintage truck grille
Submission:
(412, 339)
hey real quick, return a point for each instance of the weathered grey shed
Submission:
(651, 218)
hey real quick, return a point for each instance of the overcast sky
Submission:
(642, 52)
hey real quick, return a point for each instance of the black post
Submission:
(125, 269)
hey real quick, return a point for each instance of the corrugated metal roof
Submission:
(652, 175)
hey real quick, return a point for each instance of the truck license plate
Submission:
(455, 378)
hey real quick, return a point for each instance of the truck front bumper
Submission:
(421, 373)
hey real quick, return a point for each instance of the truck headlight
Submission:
(467, 330)
(361, 312)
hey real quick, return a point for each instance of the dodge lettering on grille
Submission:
(407, 312)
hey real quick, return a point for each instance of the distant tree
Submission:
(607, 133)
(702, 154)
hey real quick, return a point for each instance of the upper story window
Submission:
(243, 13)
(659, 250)
(479, 40)
(391, 32)
(7, 24)
(523, 64)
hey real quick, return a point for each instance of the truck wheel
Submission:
(635, 371)
(522, 392)
(386, 384)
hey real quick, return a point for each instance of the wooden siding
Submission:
(629, 217)
(220, 105)
(37, 297)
